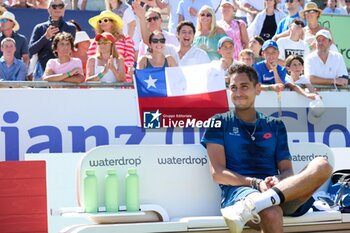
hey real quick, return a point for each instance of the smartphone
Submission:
(54, 23)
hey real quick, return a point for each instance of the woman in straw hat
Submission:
(107, 21)
(105, 66)
(311, 13)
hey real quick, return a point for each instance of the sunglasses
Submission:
(300, 23)
(207, 14)
(104, 20)
(57, 6)
(291, 1)
(309, 12)
(155, 40)
(154, 18)
(5, 20)
(104, 42)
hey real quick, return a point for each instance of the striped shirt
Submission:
(125, 47)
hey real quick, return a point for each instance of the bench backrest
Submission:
(175, 177)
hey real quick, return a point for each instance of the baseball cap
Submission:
(325, 33)
(223, 40)
(269, 43)
(223, 2)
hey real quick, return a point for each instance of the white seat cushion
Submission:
(218, 221)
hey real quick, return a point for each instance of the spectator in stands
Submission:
(189, 9)
(265, 23)
(81, 45)
(131, 27)
(3, 6)
(293, 12)
(92, 5)
(156, 57)
(208, 33)
(248, 9)
(247, 57)
(9, 29)
(347, 7)
(225, 48)
(125, 12)
(323, 66)
(11, 68)
(172, 6)
(255, 44)
(106, 65)
(332, 8)
(151, 21)
(235, 29)
(295, 77)
(64, 68)
(107, 21)
(250, 159)
(294, 44)
(22, 4)
(41, 4)
(43, 33)
(271, 74)
(186, 53)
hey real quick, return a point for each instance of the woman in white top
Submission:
(265, 23)
(105, 66)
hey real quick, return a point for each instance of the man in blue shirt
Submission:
(250, 159)
(271, 75)
(293, 7)
(11, 68)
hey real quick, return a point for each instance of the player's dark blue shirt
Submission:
(258, 158)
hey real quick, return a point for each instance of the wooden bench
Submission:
(176, 179)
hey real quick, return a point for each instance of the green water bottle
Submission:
(132, 196)
(111, 191)
(90, 192)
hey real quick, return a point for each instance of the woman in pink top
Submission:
(64, 68)
(235, 29)
(107, 21)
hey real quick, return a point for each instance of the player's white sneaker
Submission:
(237, 215)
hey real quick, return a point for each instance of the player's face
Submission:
(243, 91)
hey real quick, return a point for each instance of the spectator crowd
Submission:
(281, 39)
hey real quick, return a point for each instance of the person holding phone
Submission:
(41, 39)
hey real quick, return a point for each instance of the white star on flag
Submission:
(155, 115)
(151, 82)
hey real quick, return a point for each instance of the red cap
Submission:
(105, 35)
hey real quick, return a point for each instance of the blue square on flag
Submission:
(151, 82)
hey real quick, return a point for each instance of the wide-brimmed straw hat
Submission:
(311, 6)
(106, 36)
(118, 22)
(10, 16)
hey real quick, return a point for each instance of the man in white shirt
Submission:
(323, 66)
(186, 53)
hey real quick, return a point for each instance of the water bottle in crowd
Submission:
(132, 197)
(90, 192)
(111, 191)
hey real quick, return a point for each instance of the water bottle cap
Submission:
(111, 172)
(90, 172)
(132, 170)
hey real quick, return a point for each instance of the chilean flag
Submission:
(177, 93)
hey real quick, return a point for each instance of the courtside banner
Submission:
(180, 96)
